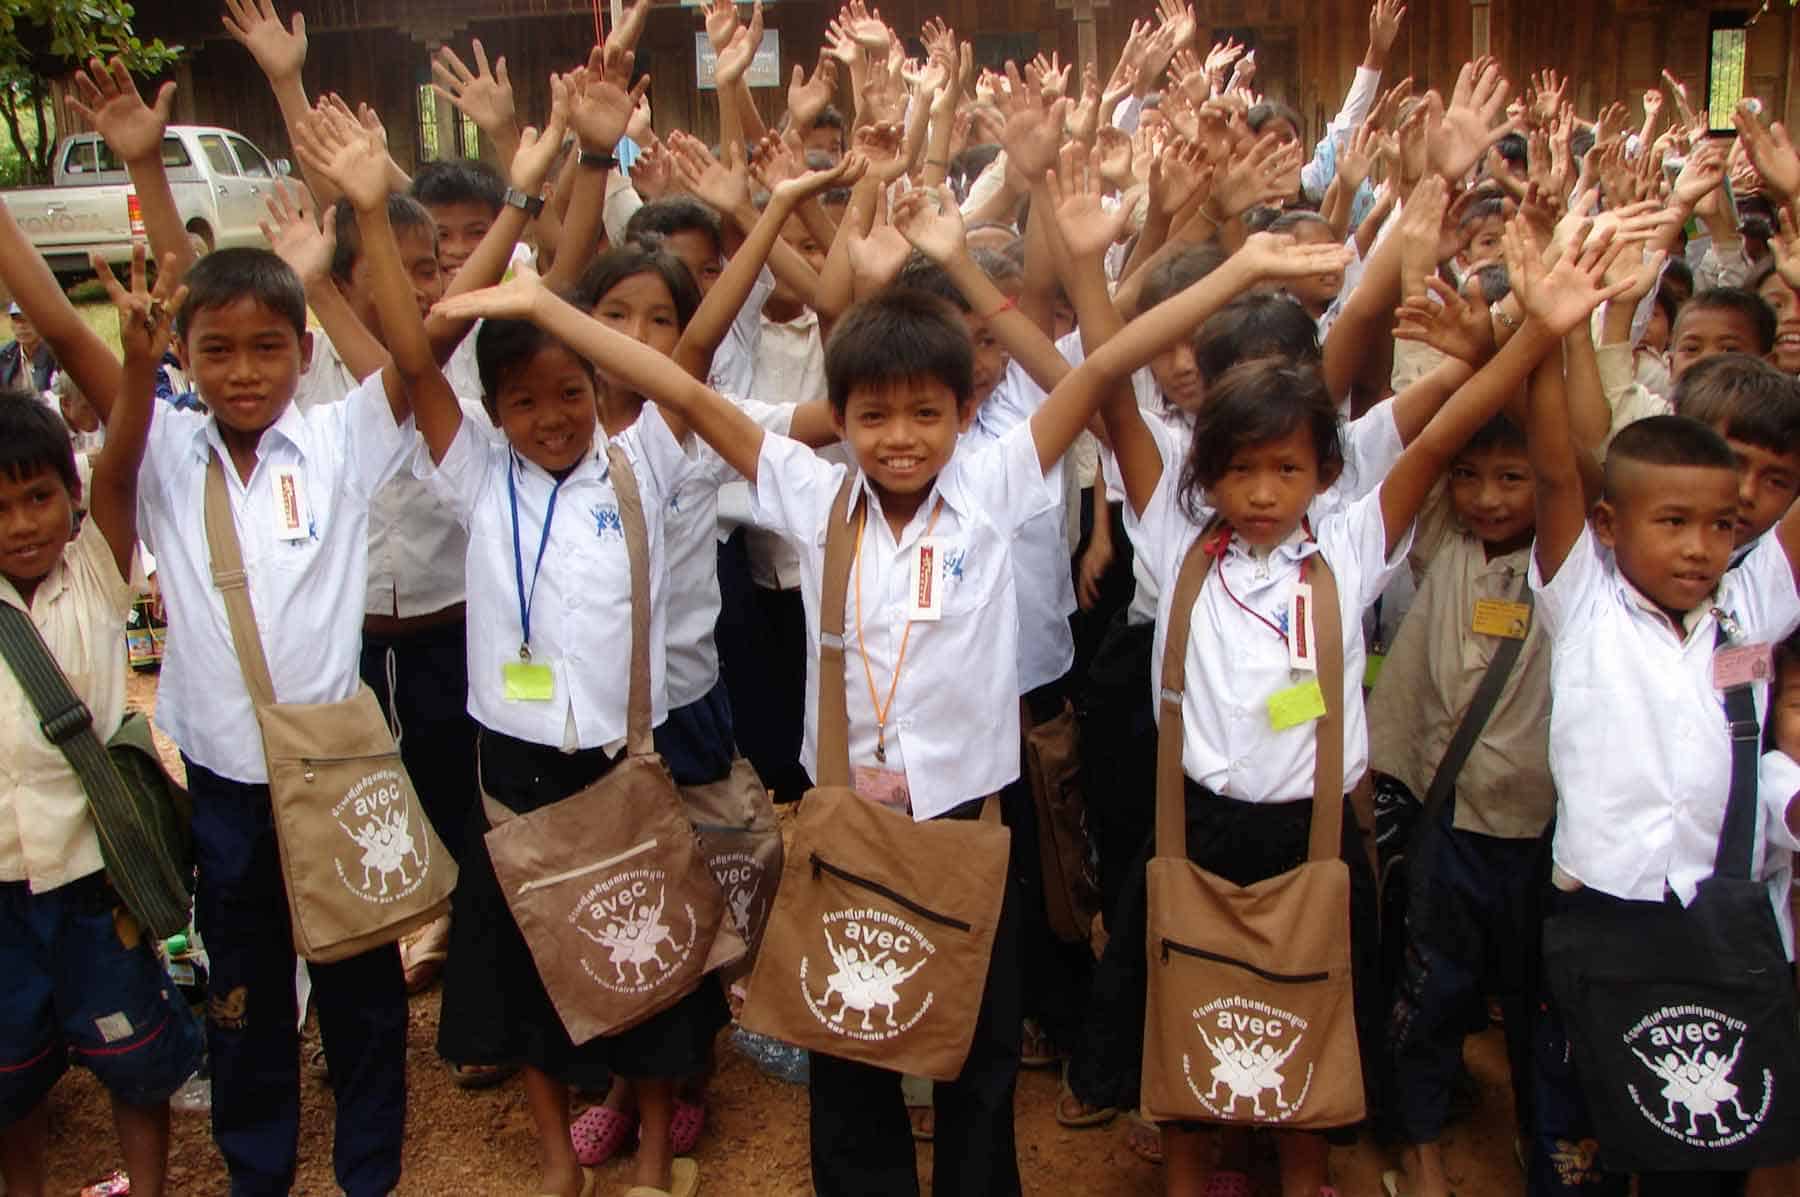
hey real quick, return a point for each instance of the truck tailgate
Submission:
(71, 219)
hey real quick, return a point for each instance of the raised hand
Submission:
(807, 98)
(929, 219)
(740, 52)
(1561, 297)
(1689, 121)
(279, 50)
(515, 299)
(722, 186)
(803, 186)
(653, 170)
(1548, 92)
(346, 155)
(1177, 174)
(1113, 148)
(1178, 18)
(1034, 131)
(1446, 322)
(1771, 152)
(867, 29)
(1384, 25)
(1088, 228)
(1420, 233)
(1700, 176)
(108, 99)
(1262, 176)
(875, 260)
(1357, 159)
(773, 162)
(880, 144)
(537, 152)
(294, 236)
(1271, 257)
(599, 109)
(1653, 106)
(146, 314)
(1457, 137)
(1219, 61)
(721, 23)
(630, 29)
(484, 95)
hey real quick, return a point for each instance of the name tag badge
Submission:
(1741, 665)
(1296, 705)
(1497, 617)
(884, 787)
(528, 681)
(1303, 654)
(925, 599)
(292, 521)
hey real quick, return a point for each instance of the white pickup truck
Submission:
(219, 178)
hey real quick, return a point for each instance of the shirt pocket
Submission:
(975, 571)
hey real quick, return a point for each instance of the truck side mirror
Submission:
(283, 166)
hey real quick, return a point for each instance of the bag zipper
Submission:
(572, 874)
(821, 866)
(1169, 945)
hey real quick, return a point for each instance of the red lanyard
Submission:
(1216, 550)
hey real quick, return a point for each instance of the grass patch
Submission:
(103, 319)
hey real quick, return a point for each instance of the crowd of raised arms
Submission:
(1071, 446)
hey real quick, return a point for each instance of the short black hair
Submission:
(1495, 283)
(920, 273)
(1253, 404)
(1287, 222)
(1273, 110)
(1498, 433)
(505, 346)
(1745, 398)
(34, 438)
(967, 165)
(1581, 141)
(1678, 280)
(1266, 324)
(1177, 272)
(1512, 147)
(1748, 304)
(1666, 441)
(634, 258)
(896, 335)
(1490, 208)
(675, 214)
(404, 212)
(460, 181)
(221, 278)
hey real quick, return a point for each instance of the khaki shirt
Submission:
(47, 835)
(1430, 677)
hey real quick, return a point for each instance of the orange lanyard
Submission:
(881, 708)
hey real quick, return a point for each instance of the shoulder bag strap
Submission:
(1328, 757)
(639, 739)
(833, 742)
(234, 585)
(1171, 810)
(1481, 708)
(1737, 836)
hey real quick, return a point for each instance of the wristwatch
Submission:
(1503, 316)
(607, 161)
(531, 205)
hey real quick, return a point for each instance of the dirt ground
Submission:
(755, 1145)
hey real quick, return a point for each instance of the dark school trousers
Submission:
(862, 1144)
(1054, 974)
(1468, 921)
(761, 634)
(252, 1023)
(421, 680)
(1118, 755)
(1563, 1147)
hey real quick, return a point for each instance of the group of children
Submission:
(1058, 331)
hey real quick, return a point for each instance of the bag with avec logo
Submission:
(741, 841)
(361, 862)
(1052, 760)
(877, 949)
(1251, 1018)
(609, 886)
(1683, 1020)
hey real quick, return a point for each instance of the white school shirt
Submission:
(1235, 663)
(1044, 581)
(416, 543)
(1639, 745)
(581, 596)
(691, 548)
(307, 593)
(789, 368)
(1778, 782)
(953, 727)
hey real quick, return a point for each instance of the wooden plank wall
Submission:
(1308, 50)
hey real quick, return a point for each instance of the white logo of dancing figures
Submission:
(1246, 1069)
(864, 981)
(1699, 1084)
(635, 939)
(387, 844)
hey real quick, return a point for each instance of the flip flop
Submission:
(1143, 1137)
(1228, 1184)
(599, 1134)
(1390, 1184)
(1035, 1048)
(684, 1181)
(479, 1076)
(1099, 1117)
(422, 955)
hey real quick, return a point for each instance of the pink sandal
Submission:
(599, 1133)
(685, 1126)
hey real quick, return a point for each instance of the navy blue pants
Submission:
(421, 680)
(252, 1023)
(761, 636)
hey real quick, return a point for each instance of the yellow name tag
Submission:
(1497, 617)
(528, 681)
(1372, 669)
(1296, 705)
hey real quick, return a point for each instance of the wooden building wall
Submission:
(1308, 50)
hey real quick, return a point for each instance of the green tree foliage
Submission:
(41, 40)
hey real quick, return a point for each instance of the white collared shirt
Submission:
(1236, 663)
(47, 834)
(1772, 859)
(1044, 581)
(581, 598)
(953, 727)
(307, 593)
(1639, 745)
(789, 368)
(416, 543)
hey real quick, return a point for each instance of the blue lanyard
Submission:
(537, 569)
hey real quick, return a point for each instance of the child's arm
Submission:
(930, 221)
(145, 319)
(484, 95)
(280, 52)
(599, 109)
(735, 436)
(109, 101)
(78, 348)
(725, 187)
(307, 249)
(694, 353)
(1263, 258)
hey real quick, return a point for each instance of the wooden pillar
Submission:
(1480, 28)
(184, 93)
(1086, 47)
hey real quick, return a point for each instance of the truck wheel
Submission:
(201, 238)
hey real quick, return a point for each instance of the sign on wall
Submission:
(765, 68)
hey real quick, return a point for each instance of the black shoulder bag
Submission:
(1683, 1021)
